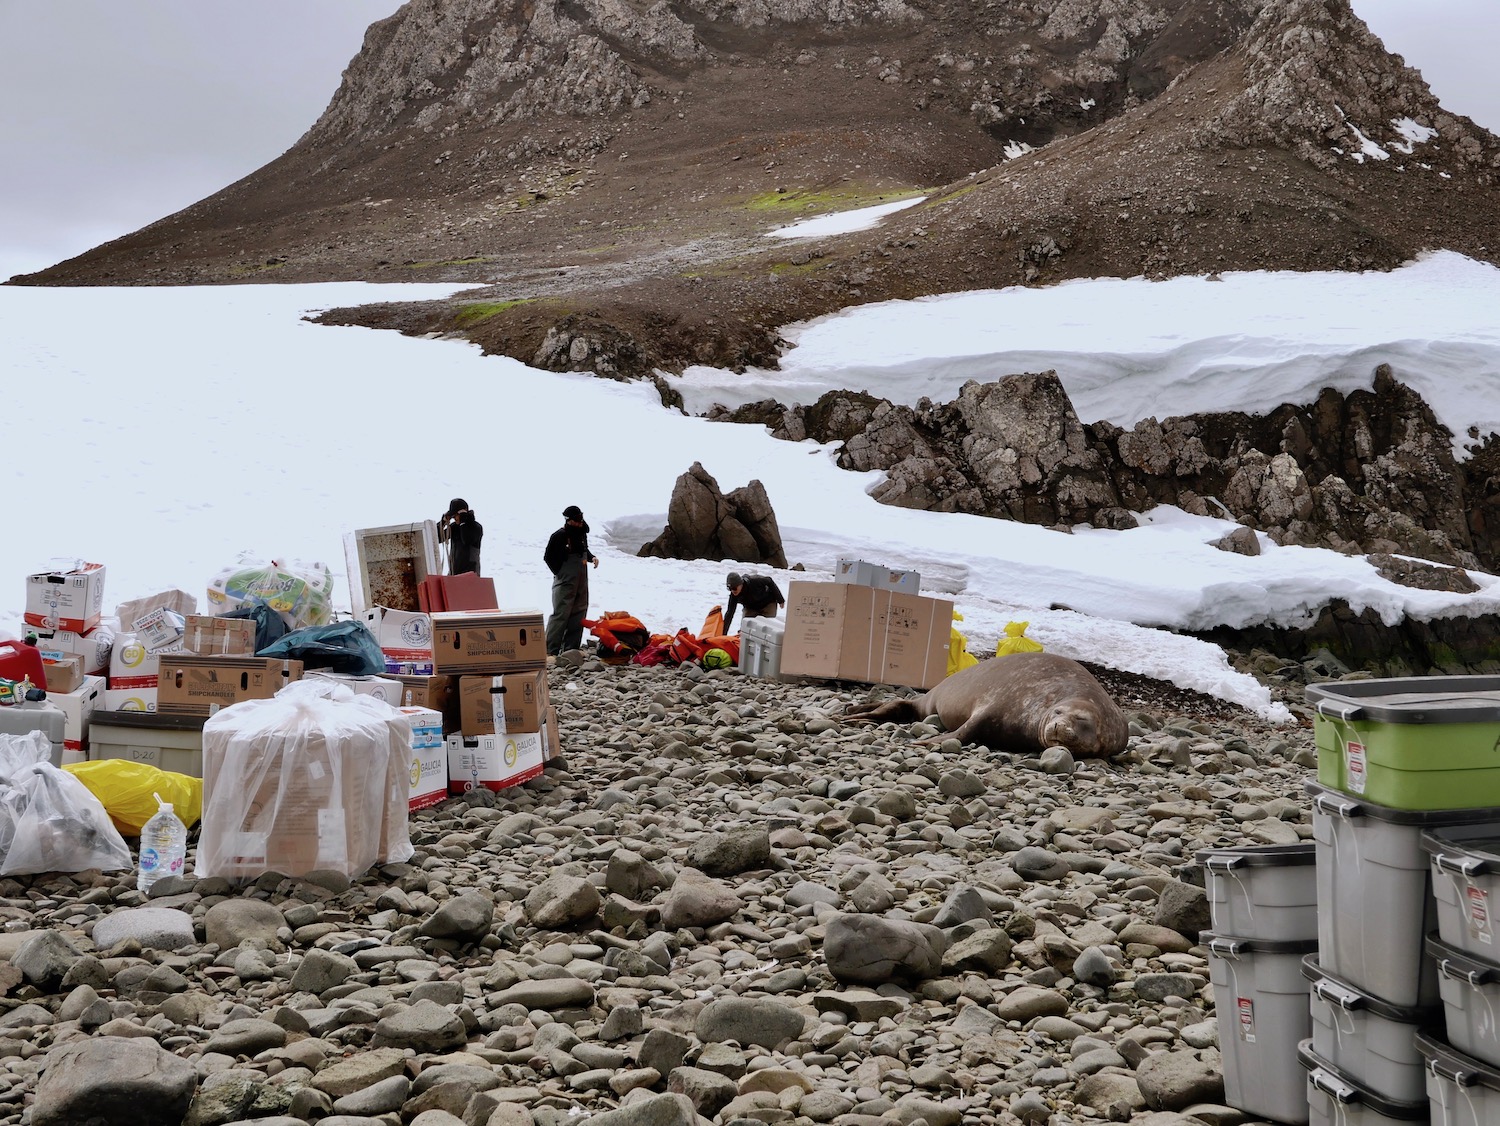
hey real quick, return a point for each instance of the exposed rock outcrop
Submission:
(705, 523)
(1370, 472)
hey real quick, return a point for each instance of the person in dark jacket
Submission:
(462, 532)
(758, 594)
(567, 557)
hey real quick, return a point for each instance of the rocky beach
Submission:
(724, 903)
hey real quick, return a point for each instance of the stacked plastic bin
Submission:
(1264, 911)
(1408, 781)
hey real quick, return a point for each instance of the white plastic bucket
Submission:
(1365, 1037)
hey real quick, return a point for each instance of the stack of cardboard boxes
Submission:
(507, 727)
(64, 609)
(851, 629)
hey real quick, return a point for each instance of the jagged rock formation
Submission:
(705, 523)
(1370, 472)
(612, 167)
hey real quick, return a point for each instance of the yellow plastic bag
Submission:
(1016, 641)
(127, 791)
(959, 656)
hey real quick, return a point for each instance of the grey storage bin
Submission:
(1335, 1099)
(1367, 1038)
(1260, 1003)
(43, 716)
(760, 647)
(1375, 902)
(1470, 988)
(1461, 1091)
(167, 742)
(1466, 885)
(1263, 891)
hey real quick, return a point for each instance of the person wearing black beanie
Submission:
(567, 557)
(461, 530)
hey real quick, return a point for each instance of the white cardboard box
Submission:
(129, 700)
(429, 757)
(71, 600)
(380, 687)
(495, 762)
(133, 665)
(405, 638)
(76, 708)
(94, 646)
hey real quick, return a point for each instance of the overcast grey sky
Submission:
(118, 112)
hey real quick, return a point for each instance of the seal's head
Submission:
(1073, 726)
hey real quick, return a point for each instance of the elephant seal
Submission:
(1024, 702)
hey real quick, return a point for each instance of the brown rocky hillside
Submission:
(610, 169)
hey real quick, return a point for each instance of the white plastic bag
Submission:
(316, 777)
(302, 593)
(50, 822)
(22, 752)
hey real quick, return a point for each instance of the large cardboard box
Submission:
(221, 637)
(488, 641)
(494, 762)
(844, 631)
(179, 600)
(491, 705)
(917, 632)
(429, 757)
(830, 631)
(77, 707)
(93, 646)
(71, 600)
(188, 684)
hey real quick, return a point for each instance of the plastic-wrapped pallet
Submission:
(314, 778)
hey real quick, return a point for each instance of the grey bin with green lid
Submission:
(1262, 891)
(1375, 903)
(1261, 1009)
(1422, 743)
(1366, 1037)
(1461, 1091)
(1466, 885)
(1470, 988)
(1336, 1099)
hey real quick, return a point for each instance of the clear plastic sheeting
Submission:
(315, 778)
(49, 821)
(302, 593)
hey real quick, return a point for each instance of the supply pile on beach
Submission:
(721, 901)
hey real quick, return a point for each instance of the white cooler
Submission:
(760, 647)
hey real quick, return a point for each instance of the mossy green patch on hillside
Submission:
(483, 310)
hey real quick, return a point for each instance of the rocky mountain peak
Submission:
(1318, 82)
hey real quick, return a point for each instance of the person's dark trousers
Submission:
(570, 605)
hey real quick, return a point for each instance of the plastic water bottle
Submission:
(163, 845)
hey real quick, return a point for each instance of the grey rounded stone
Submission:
(1057, 760)
(156, 928)
(231, 921)
(748, 1021)
(1034, 863)
(870, 950)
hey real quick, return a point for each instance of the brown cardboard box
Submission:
(488, 641)
(523, 698)
(65, 675)
(440, 693)
(188, 684)
(916, 637)
(829, 630)
(844, 631)
(179, 601)
(223, 637)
